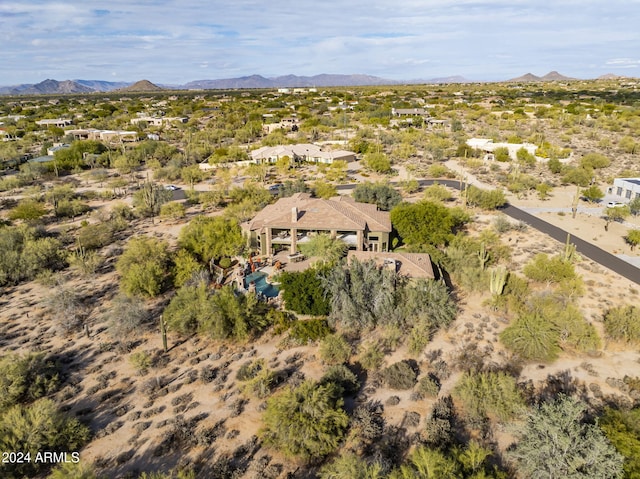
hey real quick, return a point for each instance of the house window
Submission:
(373, 238)
(628, 194)
(384, 246)
(619, 193)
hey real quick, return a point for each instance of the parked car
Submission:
(615, 204)
(275, 189)
(171, 187)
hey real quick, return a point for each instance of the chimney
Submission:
(294, 214)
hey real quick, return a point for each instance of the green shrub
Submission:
(307, 422)
(623, 324)
(261, 384)
(335, 349)
(400, 376)
(545, 325)
(553, 269)
(28, 210)
(24, 254)
(26, 378)
(437, 192)
(144, 267)
(173, 209)
(221, 315)
(372, 357)
(225, 262)
(36, 428)
(561, 425)
(532, 337)
(622, 428)
(250, 370)
(212, 237)
(429, 386)
(302, 292)
(141, 361)
(489, 394)
(383, 195)
(71, 208)
(95, 236)
(485, 199)
(343, 378)
(185, 265)
(69, 470)
(310, 330)
(281, 320)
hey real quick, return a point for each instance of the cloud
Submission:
(171, 42)
(623, 63)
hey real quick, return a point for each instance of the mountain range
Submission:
(50, 86)
(551, 76)
(253, 81)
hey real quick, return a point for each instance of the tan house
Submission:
(409, 265)
(102, 135)
(59, 122)
(294, 220)
(159, 121)
(302, 152)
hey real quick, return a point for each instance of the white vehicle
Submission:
(615, 204)
(171, 187)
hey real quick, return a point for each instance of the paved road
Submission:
(589, 250)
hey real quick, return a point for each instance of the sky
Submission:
(173, 42)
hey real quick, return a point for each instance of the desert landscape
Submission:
(127, 320)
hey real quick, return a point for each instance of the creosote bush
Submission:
(26, 378)
(489, 394)
(307, 422)
(623, 323)
(400, 375)
(335, 349)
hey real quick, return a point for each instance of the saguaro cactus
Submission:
(498, 280)
(569, 252)
(163, 332)
(483, 256)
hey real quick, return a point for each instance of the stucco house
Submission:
(410, 265)
(625, 189)
(294, 220)
(487, 146)
(307, 152)
(59, 122)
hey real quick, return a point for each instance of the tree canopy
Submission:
(426, 223)
(384, 196)
(212, 237)
(556, 443)
(306, 422)
(303, 292)
(144, 267)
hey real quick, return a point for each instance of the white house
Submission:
(626, 189)
(59, 122)
(307, 152)
(159, 121)
(488, 146)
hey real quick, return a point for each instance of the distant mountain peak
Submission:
(526, 77)
(142, 85)
(551, 76)
(555, 76)
(610, 76)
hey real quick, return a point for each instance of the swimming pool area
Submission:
(260, 278)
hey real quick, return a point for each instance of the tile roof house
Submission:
(410, 265)
(293, 220)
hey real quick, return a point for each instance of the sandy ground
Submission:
(104, 389)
